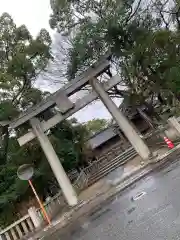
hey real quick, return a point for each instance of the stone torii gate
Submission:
(67, 108)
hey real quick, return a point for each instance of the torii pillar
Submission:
(131, 134)
(54, 162)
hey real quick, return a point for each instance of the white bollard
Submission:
(34, 217)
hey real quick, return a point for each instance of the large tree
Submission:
(143, 39)
(22, 58)
(89, 23)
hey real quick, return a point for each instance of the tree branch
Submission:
(131, 15)
(177, 17)
(25, 83)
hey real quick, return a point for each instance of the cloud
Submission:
(34, 13)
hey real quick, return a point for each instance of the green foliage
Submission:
(22, 58)
(96, 125)
(143, 38)
(97, 26)
(69, 142)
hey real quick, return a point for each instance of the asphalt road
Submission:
(150, 209)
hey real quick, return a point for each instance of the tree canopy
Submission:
(22, 58)
(96, 125)
(143, 37)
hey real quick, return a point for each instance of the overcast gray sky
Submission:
(35, 15)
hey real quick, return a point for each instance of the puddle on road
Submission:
(129, 211)
(138, 196)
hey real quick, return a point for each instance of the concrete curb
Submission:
(161, 157)
(123, 184)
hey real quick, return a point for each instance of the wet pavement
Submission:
(149, 209)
